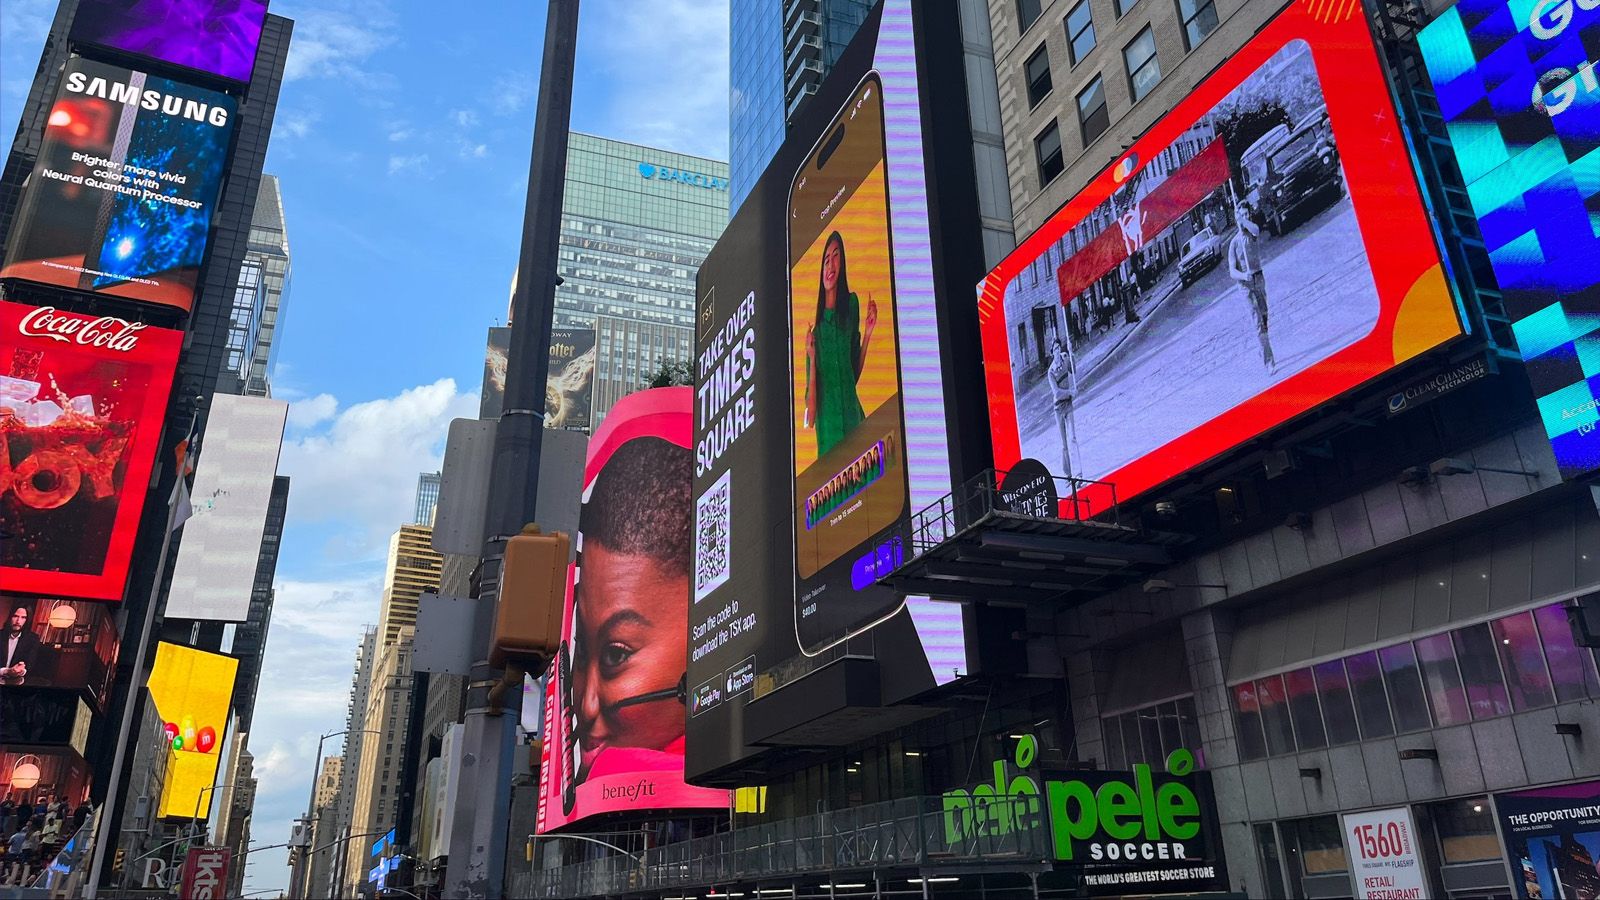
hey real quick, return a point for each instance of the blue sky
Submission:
(402, 141)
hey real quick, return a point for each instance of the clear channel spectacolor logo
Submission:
(1113, 818)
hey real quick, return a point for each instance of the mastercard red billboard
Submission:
(616, 706)
(1261, 250)
(81, 404)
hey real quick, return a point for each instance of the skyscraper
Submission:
(332, 855)
(250, 636)
(414, 567)
(376, 771)
(427, 497)
(636, 223)
(777, 58)
(259, 298)
(755, 95)
(199, 303)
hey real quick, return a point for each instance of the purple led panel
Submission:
(215, 36)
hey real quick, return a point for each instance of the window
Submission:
(1372, 703)
(1571, 668)
(1318, 842)
(1092, 115)
(1199, 19)
(1445, 692)
(1303, 709)
(1080, 32)
(1405, 687)
(1123, 6)
(1274, 702)
(1047, 151)
(1518, 644)
(1149, 735)
(1480, 672)
(1337, 709)
(1466, 832)
(1247, 721)
(1038, 71)
(1144, 70)
(1027, 11)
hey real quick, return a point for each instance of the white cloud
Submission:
(359, 473)
(338, 43)
(512, 91)
(673, 53)
(465, 118)
(470, 150)
(296, 124)
(400, 133)
(400, 164)
(305, 684)
(308, 411)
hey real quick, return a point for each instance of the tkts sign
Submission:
(205, 874)
(81, 406)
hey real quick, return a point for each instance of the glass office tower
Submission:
(636, 223)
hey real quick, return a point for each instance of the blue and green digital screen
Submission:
(1517, 85)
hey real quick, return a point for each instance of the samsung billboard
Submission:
(1262, 249)
(216, 567)
(121, 197)
(1517, 87)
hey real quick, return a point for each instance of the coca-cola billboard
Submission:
(82, 399)
(205, 874)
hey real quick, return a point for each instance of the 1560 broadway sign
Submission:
(1128, 829)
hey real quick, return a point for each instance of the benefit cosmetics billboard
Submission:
(1518, 90)
(820, 414)
(81, 404)
(1261, 250)
(615, 704)
(120, 200)
(219, 37)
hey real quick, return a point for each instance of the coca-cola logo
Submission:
(106, 332)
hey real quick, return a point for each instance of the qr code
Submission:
(712, 538)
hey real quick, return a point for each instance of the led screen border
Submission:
(1417, 309)
(158, 352)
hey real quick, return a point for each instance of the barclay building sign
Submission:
(698, 179)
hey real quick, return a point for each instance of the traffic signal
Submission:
(533, 587)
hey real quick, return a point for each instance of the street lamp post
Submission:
(300, 866)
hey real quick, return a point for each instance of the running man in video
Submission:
(631, 646)
(1244, 264)
(836, 349)
(1063, 385)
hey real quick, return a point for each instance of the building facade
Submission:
(201, 371)
(332, 855)
(260, 299)
(375, 801)
(427, 498)
(250, 636)
(777, 56)
(636, 223)
(414, 567)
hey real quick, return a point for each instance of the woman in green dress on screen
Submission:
(836, 350)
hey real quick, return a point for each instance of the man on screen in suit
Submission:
(19, 648)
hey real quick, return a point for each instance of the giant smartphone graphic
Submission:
(848, 431)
